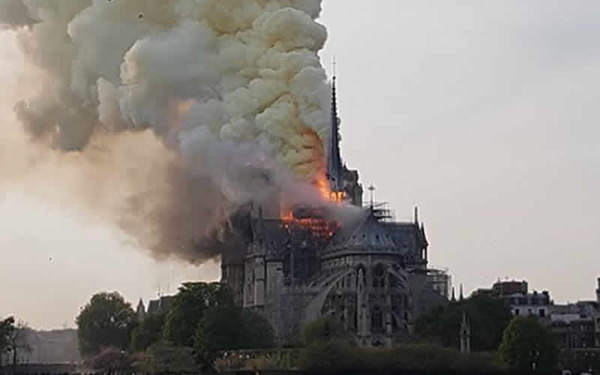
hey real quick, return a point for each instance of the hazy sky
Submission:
(481, 113)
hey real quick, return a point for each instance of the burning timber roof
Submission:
(364, 233)
(278, 236)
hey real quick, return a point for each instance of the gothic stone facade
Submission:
(370, 275)
(364, 270)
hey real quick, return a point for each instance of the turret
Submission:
(141, 311)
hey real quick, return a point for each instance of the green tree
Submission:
(525, 342)
(148, 332)
(13, 339)
(327, 347)
(7, 327)
(162, 358)
(230, 327)
(188, 308)
(257, 332)
(324, 330)
(487, 316)
(105, 321)
(110, 360)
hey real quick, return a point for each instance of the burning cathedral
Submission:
(357, 266)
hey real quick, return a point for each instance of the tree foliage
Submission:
(7, 327)
(148, 332)
(323, 330)
(487, 316)
(105, 321)
(110, 359)
(188, 308)
(526, 341)
(13, 339)
(226, 328)
(162, 358)
(257, 332)
(337, 356)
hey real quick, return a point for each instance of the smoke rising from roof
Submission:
(168, 116)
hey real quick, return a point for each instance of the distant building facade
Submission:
(576, 325)
(521, 301)
(54, 346)
(161, 305)
(440, 282)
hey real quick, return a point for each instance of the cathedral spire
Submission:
(334, 159)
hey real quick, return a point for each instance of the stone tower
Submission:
(335, 173)
(340, 178)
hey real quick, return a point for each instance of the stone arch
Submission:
(400, 276)
(314, 307)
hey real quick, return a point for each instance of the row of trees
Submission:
(201, 320)
(499, 342)
(520, 343)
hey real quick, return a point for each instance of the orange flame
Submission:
(318, 226)
(315, 223)
(324, 188)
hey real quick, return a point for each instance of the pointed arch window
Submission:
(379, 276)
(376, 319)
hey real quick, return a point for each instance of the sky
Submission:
(483, 114)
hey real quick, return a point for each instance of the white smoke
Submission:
(234, 90)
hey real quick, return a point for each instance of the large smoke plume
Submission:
(173, 114)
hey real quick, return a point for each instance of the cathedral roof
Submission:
(366, 232)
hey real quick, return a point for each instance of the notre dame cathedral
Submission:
(366, 271)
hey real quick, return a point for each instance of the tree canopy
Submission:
(526, 341)
(148, 332)
(257, 332)
(323, 330)
(161, 358)
(110, 359)
(13, 338)
(487, 316)
(105, 321)
(7, 327)
(232, 328)
(188, 308)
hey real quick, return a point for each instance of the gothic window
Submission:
(379, 276)
(396, 304)
(361, 277)
(377, 319)
(393, 281)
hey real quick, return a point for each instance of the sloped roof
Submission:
(365, 232)
(161, 305)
